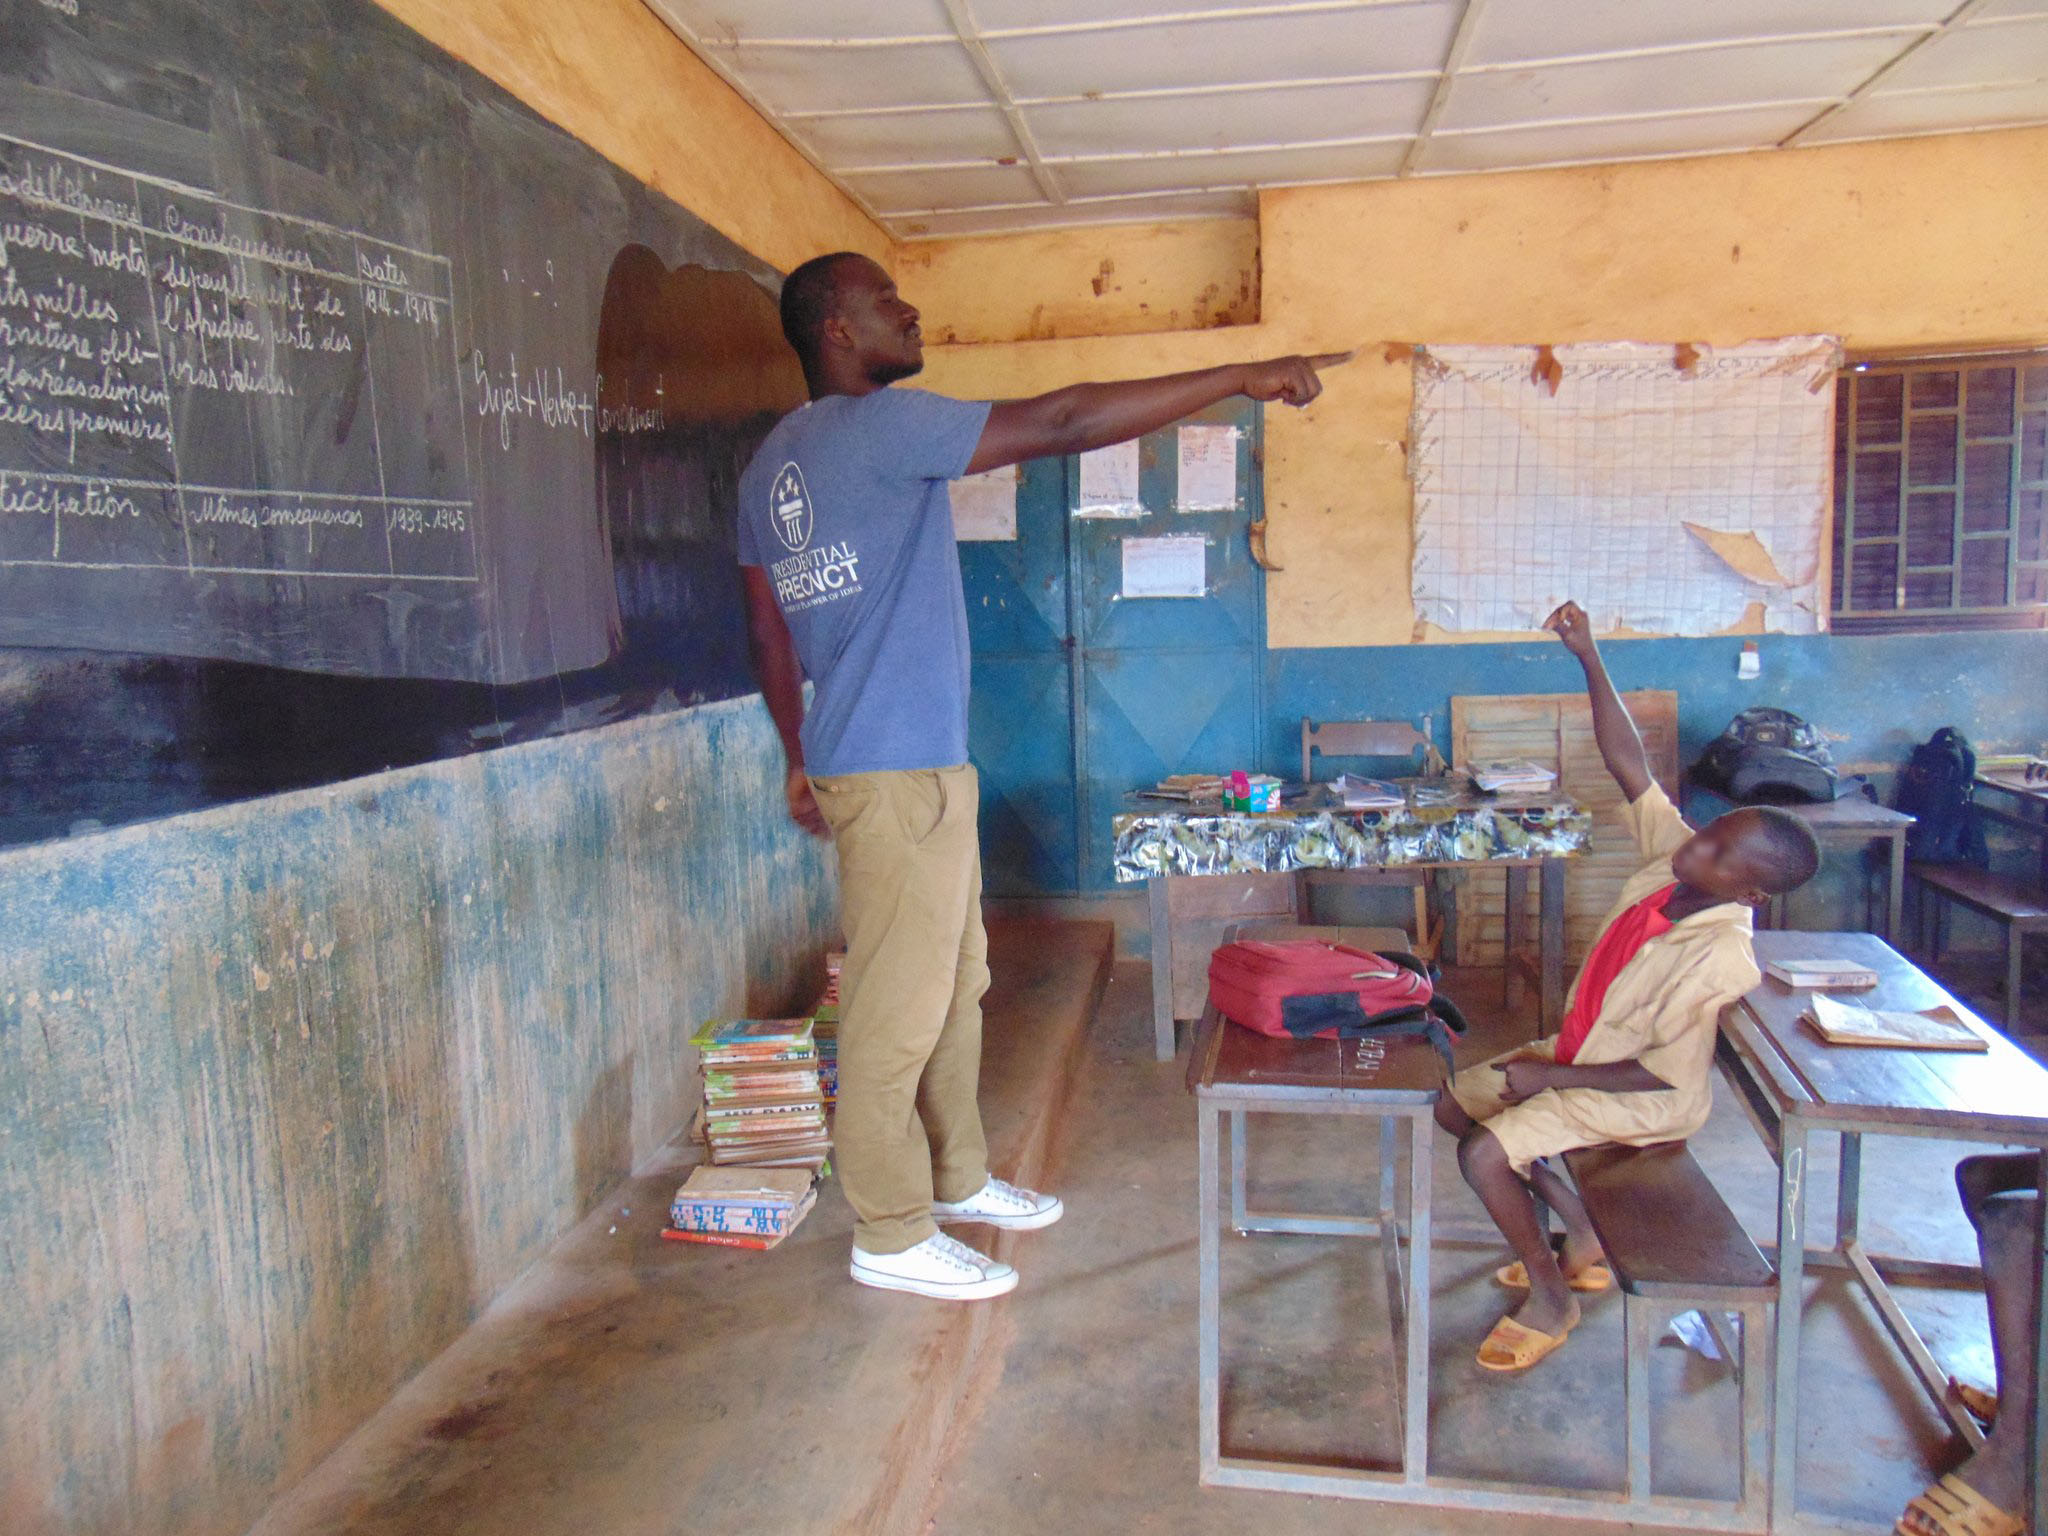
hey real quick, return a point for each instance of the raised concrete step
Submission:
(633, 1386)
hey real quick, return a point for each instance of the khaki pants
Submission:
(908, 1128)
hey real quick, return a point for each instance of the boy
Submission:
(1629, 1064)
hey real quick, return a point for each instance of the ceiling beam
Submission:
(1454, 58)
(1956, 18)
(962, 18)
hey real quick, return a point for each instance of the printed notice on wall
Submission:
(1109, 482)
(985, 506)
(1208, 469)
(1175, 566)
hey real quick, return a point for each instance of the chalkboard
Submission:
(324, 362)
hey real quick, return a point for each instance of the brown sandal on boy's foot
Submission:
(1593, 1279)
(1974, 1400)
(1514, 1346)
(1952, 1507)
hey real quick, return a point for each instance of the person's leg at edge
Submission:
(1999, 1196)
(1581, 1246)
(948, 1094)
(903, 915)
(1550, 1307)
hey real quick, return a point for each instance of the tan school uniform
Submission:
(1662, 1010)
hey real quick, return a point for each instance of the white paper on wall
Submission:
(1174, 566)
(1109, 482)
(1208, 469)
(1655, 497)
(985, 505)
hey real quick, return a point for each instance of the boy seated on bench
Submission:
(1630, 1062)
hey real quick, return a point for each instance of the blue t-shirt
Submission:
(845, 507)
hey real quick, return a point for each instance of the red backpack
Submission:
(1310, 989)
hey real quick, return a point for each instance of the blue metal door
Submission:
(1082, 694)
(1168, 684)
(1020, 727)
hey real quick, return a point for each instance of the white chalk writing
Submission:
(541, 394)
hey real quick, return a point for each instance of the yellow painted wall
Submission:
(1916, 243)
(610, 73)
(1106, 281)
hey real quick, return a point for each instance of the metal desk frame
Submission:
(1406, 1230)
(1785, 1120)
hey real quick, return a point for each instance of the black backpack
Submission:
(1938, 788)
(1771, 756)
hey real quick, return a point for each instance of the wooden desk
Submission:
(2024, 805)
(1792, 1084)
(1204, 867)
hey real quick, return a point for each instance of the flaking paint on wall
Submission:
(291, 1089)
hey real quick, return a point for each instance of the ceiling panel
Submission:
(1222, 119)
(1296, 46)
(822, 78)
(1134, 210)
(925, 187)
(2017, 50)
(1267, 168)
(1163, 109)
(722, 22)
(905, 138)
(1004, 15)
(1569, 143)
(1510, 31)
(1881, 117)
(1758, 73)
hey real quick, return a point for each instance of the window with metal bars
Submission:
(1941, 494)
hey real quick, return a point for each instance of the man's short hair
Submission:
(808, 296)
(1787, 853)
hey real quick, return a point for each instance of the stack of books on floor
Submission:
(825, 1028)
(740, 1207)
(764, 1104)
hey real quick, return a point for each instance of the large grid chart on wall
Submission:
(1667, 489)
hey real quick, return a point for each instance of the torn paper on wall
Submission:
(1662, 500)
(985, 506)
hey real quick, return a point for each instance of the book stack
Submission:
(1357, 794)
(1511, 776)
(1822, 975)
(825, 1036)
(740, 1207)
(764, 1104)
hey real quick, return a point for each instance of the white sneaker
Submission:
(1002, 1205)
(939, 1266)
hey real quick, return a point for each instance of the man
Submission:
(853, 580)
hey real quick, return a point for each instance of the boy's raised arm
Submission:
(1621, 745)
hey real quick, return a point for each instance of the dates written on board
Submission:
(188, 382)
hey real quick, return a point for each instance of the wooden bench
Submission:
(1674, 1246)
(2014, 904)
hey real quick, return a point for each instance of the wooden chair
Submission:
(1374, 738)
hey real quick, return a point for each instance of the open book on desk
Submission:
(1937, 1029)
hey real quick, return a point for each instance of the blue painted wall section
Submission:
(289, 1090)
(1874, 696)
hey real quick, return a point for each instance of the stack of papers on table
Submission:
(1937, 1029)
(1517, 773)
(1357, 794)
(1822, 975)
(1188, 786)
(740, 1207)
(764, 1101)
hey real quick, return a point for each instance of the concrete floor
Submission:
(633, 1386)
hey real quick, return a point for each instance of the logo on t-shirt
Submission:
(789, 504)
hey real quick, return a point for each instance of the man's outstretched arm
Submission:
(1621, 744)
(781, 677)
(1086, 416)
